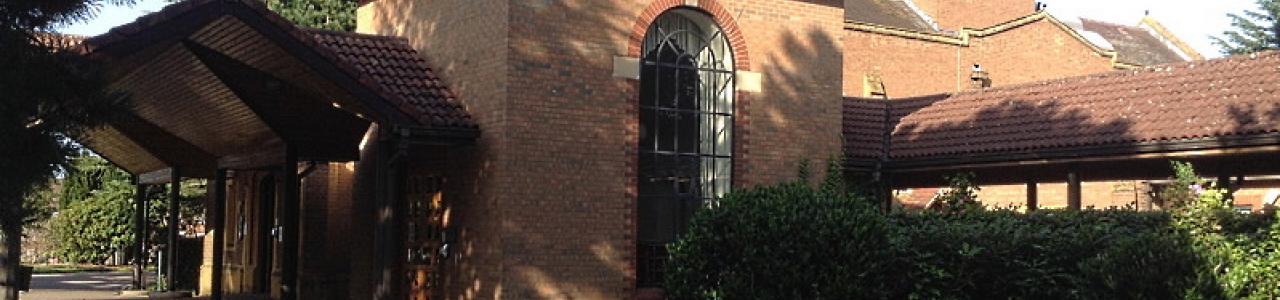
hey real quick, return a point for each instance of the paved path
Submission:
(90, 285)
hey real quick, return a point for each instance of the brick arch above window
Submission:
(737, 42)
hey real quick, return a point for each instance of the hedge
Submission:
(794, 241)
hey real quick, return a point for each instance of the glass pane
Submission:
(688, 132)
(666, 125)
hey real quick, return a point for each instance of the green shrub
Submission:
(91, 230)
(793, 241)
(788, 241)
(1045, 254)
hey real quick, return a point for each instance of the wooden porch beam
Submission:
(318, 130)
(160, 176)
(268, 156)
(168, 148)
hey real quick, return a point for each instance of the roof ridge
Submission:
(1124, 73)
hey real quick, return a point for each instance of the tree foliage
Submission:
(959, 196)
(337, 15)
(1255, 30)
(41, 204)
(47, 97)
(96, 217)
(46, 94)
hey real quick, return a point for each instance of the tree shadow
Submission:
(547, 195)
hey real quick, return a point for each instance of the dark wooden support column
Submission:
(139, 235)
(289, 219)
(885, 192)
(1073, 191)
(219, 229)
(1033, 197)
(171, 249)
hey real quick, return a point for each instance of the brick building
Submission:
(485, 149)
(909, 48)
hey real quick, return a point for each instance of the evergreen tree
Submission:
(47, 97)
(337, 15)
(1256, 30)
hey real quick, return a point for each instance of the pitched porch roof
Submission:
(218, 82)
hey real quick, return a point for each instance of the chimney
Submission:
(978, 78)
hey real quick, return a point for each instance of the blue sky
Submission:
(1192, 20)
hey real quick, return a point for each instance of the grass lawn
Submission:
(55, 269)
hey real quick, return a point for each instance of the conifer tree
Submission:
(1255, 30)
(47, 98)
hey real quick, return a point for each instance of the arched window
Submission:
(686, 130)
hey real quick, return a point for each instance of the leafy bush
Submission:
(960, 195)
(788, 241)
(793, 241)
(91, 230)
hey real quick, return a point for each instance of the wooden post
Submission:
(886, 193)
(171, 250)
(139, 235)
(289, 220)
(1033, 200)
(1073, 191)
(219, 230)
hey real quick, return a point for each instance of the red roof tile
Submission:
(397, 68)
(1236, 96)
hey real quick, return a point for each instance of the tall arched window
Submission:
(686, 130)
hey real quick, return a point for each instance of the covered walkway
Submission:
(1223, 115)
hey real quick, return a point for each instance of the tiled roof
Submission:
(386, 65)
(1135, 45)
(396, 67)
(1193, 101)
(892, 13)
(865, 124)
(868, 120)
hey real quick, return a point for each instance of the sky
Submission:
(1194, 21)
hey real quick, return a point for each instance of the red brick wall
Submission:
(1034, 52)
(1099, 195)
(911, 67)
(549, 188)
(325, 231)
(956, 14)
(907, 67)
(576, 129)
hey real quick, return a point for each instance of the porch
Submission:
(305, 136)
